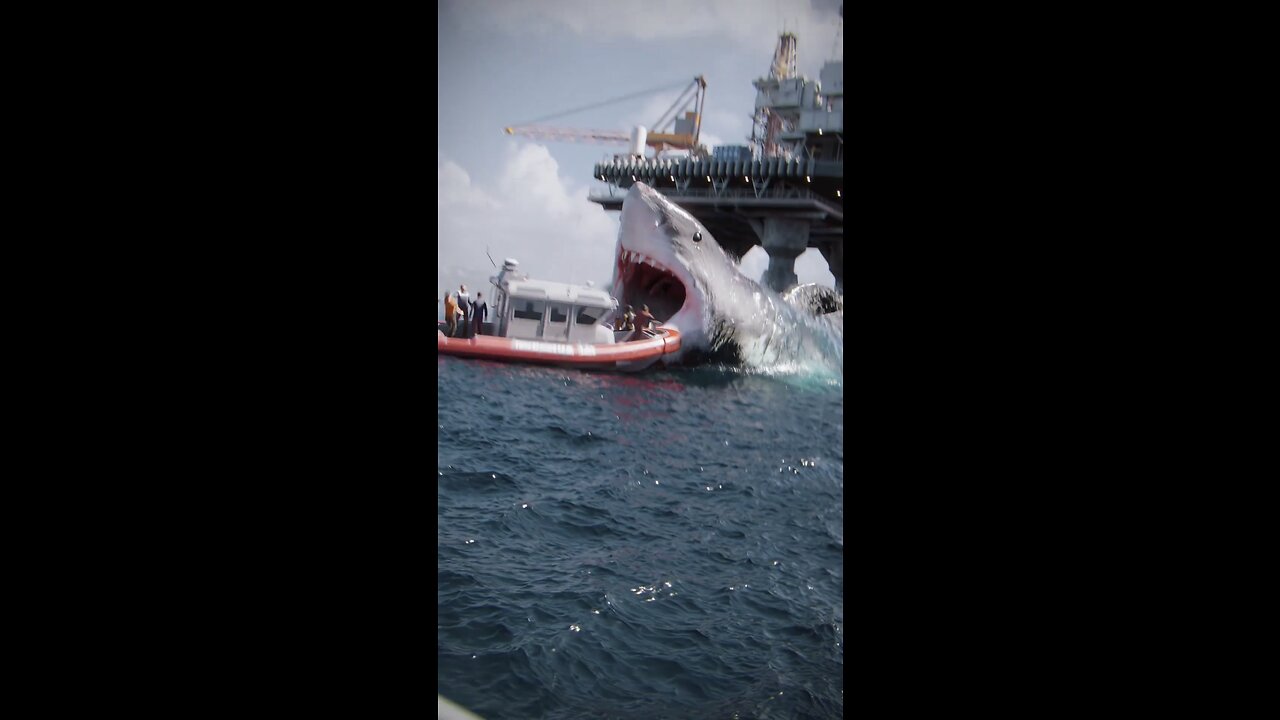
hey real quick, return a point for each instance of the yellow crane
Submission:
(683, 136)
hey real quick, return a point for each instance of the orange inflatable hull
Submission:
(631, 355)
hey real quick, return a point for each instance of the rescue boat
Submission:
(536, 321)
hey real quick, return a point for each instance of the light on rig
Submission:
(837, 193)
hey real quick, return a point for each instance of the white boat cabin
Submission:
(550, 311)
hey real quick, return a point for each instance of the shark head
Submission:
(667, 260)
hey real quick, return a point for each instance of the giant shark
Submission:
(667, 260)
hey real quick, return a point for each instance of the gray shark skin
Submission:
(667, 260)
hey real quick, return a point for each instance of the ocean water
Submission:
(661, 545)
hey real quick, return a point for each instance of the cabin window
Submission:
(529, 309)
(559, 313)
(589, 316)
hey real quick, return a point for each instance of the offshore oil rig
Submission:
(784, 191)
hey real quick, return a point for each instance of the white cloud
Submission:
(532, 214)
(455, 187)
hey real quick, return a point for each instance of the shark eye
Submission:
(697, 237)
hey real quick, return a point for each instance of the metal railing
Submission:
(777, 166)
(615, 192)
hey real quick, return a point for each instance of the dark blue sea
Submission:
(661, 545)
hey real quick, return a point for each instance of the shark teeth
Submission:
(636, 258)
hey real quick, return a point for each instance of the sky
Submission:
(507, 62)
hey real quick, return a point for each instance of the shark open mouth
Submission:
(644, 281)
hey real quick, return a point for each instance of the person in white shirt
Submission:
(464, 312)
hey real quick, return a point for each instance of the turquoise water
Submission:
(661, 545)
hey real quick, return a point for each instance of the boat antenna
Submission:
(486, 252)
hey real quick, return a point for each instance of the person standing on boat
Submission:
(644, 321)
(450, 314)
(464, 312)
(479, 311)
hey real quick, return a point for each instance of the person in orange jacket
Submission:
(450, 313)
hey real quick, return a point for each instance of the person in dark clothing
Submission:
(479, 311)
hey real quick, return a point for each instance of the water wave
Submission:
(689, 563)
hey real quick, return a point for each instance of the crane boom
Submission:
(685, 137)
(571, 135)
(599, 137)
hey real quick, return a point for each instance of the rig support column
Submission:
(784, 240)
(834, 254)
